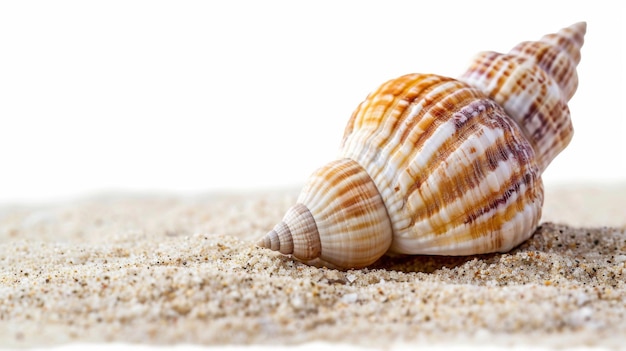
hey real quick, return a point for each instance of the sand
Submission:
(156, 269)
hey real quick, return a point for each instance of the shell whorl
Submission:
(347, 224)
(296, 234)
(455, 172)
(533, 83)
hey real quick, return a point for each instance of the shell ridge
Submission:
(443, 218)
(351, 211)
(420, 161)
(362, 141)
(370, 101)
(459, 239)
(384, 132)
(299, 219)
(402, 153)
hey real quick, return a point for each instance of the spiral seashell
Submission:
(438, 166)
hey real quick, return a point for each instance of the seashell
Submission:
(438, 166)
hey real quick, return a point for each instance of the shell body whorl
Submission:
(457, 174)
(434, 165)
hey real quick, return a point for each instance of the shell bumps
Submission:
(441, 166)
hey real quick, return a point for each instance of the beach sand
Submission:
(157, 269)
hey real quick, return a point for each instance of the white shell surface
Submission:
(455, 173)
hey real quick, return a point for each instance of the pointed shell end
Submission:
(296, 235)
(265, 241)
(580, 27)
(278, 239)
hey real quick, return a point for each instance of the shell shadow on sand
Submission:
(555, 252)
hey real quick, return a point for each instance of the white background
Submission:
(191, 97)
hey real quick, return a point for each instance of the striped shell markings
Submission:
(438, 166)
(533, 83)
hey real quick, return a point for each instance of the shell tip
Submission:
(278, 239)
(296, 235)
(575, 32)
(265, 242)
(579, 27)
(569, 40)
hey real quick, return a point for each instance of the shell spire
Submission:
(534, 82)
(339, 219)
(558, 54)
(296, 234)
